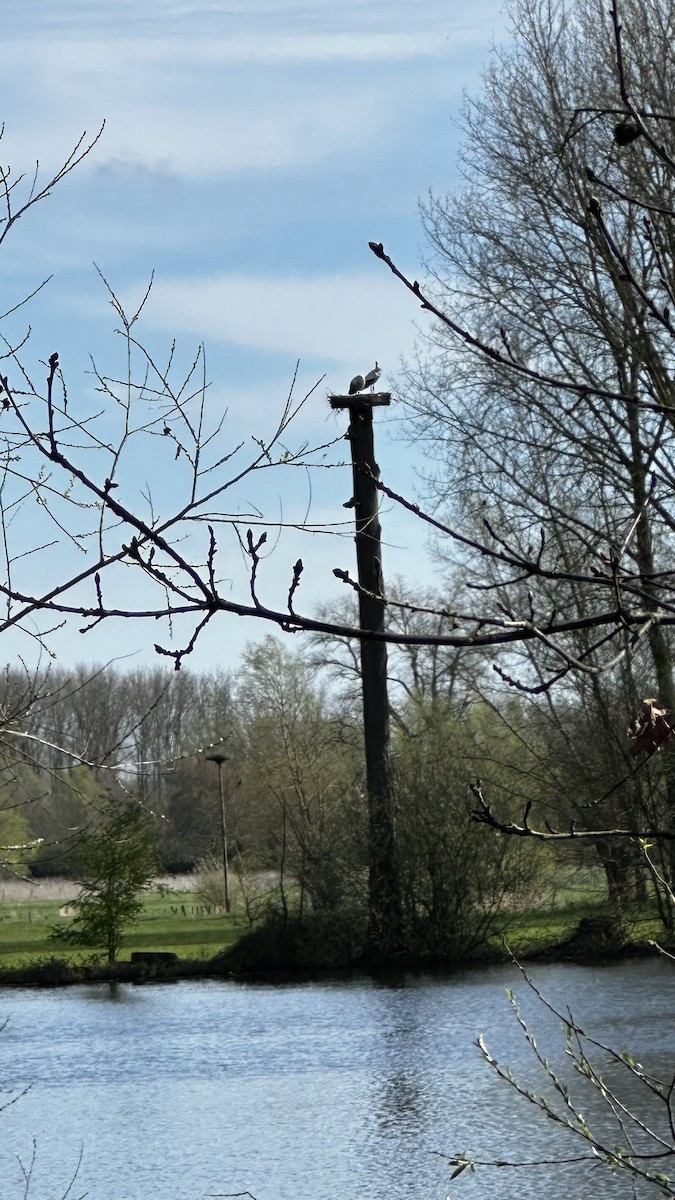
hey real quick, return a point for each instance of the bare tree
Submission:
(550, 379)
(545, 386)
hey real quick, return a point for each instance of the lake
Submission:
(323, 1091)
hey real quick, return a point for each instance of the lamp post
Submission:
(219, 759)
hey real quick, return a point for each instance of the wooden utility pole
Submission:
(384, 885)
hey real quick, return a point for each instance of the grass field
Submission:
(184, 922)
(531, 931)
(177, 921)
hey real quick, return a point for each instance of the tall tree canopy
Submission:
(558, 250)
(544, 392)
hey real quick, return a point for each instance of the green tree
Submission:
(300, 782)
(20, 790)
(119, 862)
(457, 881)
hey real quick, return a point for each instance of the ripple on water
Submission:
(327, 1091)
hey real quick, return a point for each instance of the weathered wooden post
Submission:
(384, 885)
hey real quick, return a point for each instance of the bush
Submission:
(320, 941)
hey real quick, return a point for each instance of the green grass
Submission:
(174, 921)
(538, 929)
(182, 923)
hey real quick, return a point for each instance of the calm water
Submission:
(331, 1091)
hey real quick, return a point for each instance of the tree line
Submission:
(288, 722)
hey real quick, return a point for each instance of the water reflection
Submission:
(397, 1102)
(399, 1094)
(310, 1092)
(111, 990)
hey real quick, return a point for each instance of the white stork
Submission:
(357, 384)
(372, 377)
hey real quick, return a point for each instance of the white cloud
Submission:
(229, 91)
(230, 122)
(339, 318)
(241, 134)
(88, 57)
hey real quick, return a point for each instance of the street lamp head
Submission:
(216, 758)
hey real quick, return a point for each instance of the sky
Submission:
(251, 150)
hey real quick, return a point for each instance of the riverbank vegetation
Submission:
(294, 816)
(574, 922)
(182, 923)
(295, 822)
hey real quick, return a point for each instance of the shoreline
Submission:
(60, 973)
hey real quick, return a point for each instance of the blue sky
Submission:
(251, 150)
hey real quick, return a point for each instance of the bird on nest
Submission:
(360, 382)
